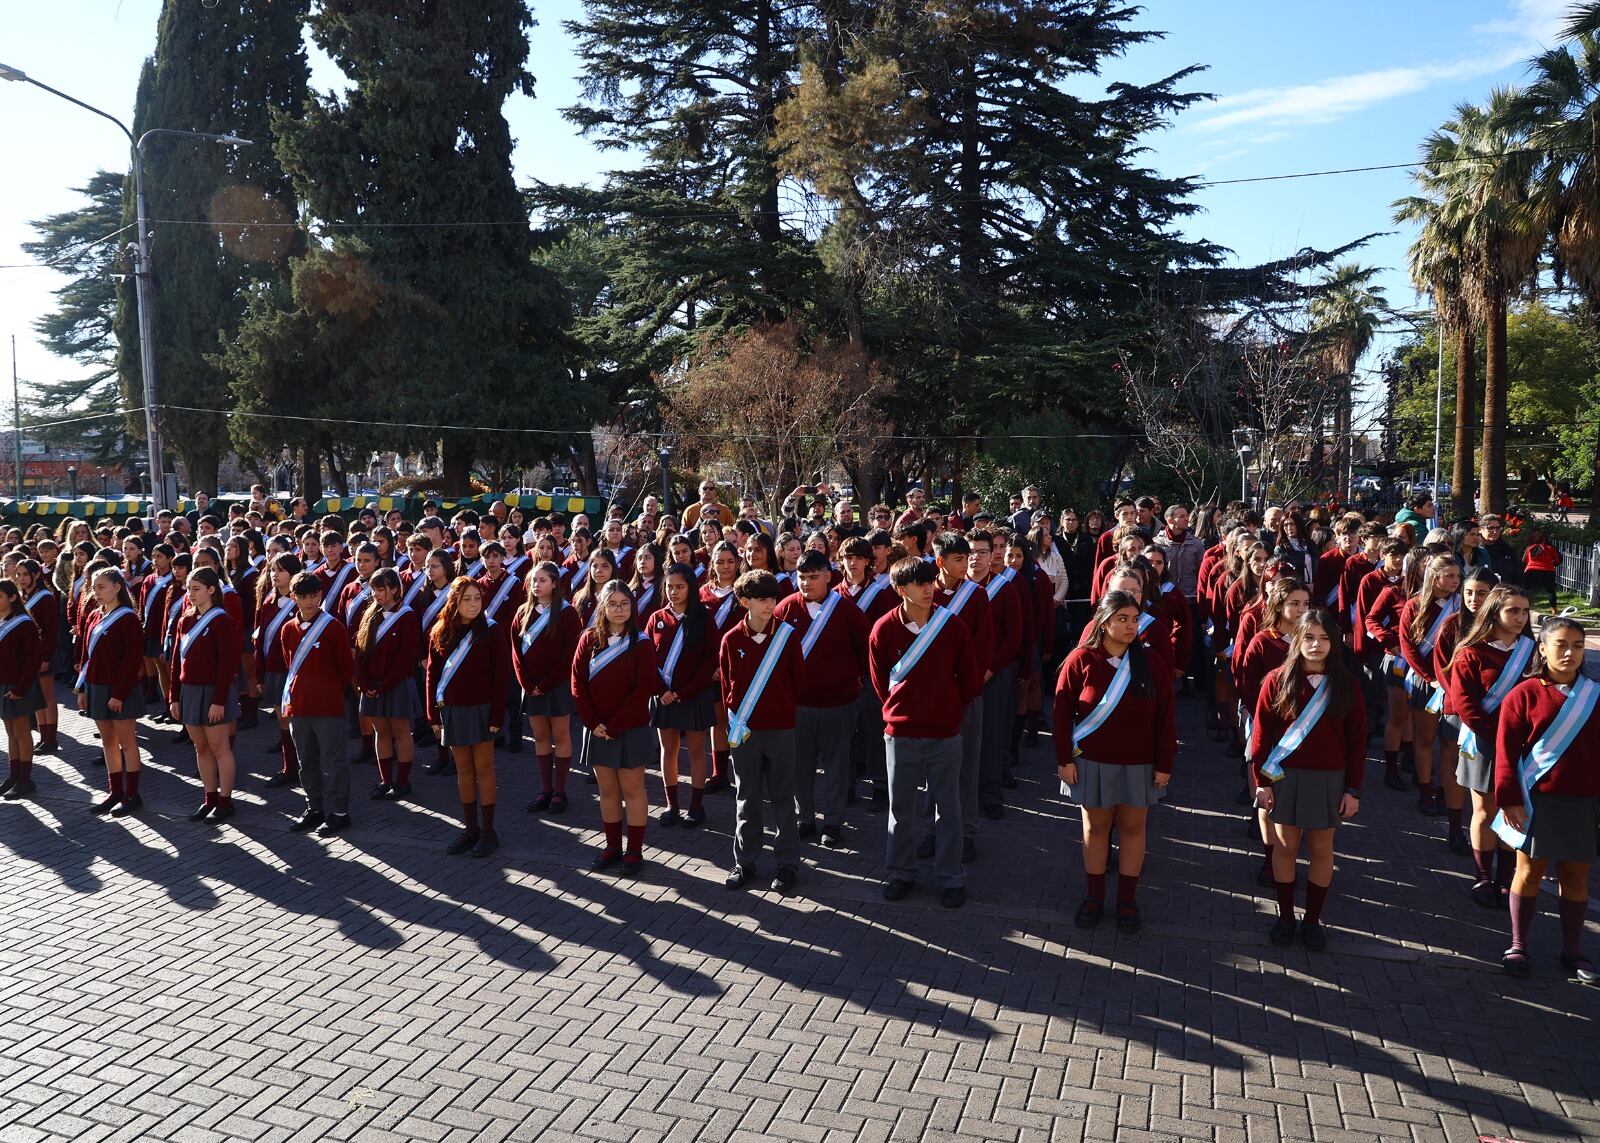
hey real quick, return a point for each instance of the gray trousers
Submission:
(822, 739)
(352, 713)
(764, 763)
(866, 747)
(999, 708)
(971, 759)
(936, 761)
(324, 763)
(515, 720)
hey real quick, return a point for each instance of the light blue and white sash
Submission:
(1510, 675)
(275, 624)
(962, 594)
(1000, 581)
(1332, 598)
(537, 627)
(194, 632)
(389, 621)
(1298, 731)
(1543, 755)
(1103, 709)
(475, 570)
(647, 596)
(870, 592)
(1449, 608)
(308, 642)
(605, 658)
(257, 561)
(417, 582)
(434, 608)
(353, 608)
(330, 599)
(739, 720)
(814, 632)
(674, 653)
(156, 589)
(1167, 587)
(1145, 619)
(453, 664)
(94, 641)
(12, 624)
(34, 599)
(167, 631)
(919, 646)
(501, 594)
(724, 610)
(580, 572)
(514, 567)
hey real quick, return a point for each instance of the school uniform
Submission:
(334, 581)
(1120, 748)
(467, 698)
(541, 657)
(21, 656)
(1174, 607)
(726, 610)
(1382, 621)
(833, 659)
(1325, 580)
(203, 665)
(612, 687)
(923, 699)
(1266, 652)
(1356, 569)
(1420, 680)
(389, 666)
(1479, 685)
(760, 680)
(502, 599)
(649, 599)
(1247, 624)
(1316, 771)
(271, 668)
(113, 664)
(1561, 791)
(687, 671)
(152, 611)
(1006, 618)
(873, 599)
(574, 574)
(46, 611)
(973, 610)
(321, 670)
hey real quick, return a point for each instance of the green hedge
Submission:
(24, 512)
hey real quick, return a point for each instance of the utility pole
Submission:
(16, 413)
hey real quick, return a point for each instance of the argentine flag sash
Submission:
(389, 621)
(605, 658)
(1415, 683)
(330, 598)
(919, 646)
(1103, 709)
(1546, 752)
(870, 592)
(308, 643)
(724, 610)
(194, 632)
(1510, 675)
(417, 582)
(172, 615)
(12, 624)
(1000, 581)
(814, 632)
(502, 593)
(453, 664)
(674, 653)
(647, 596)
(434, 607)
(962, 594)
(536, 628)
(1145, 619)
(270, 632)
(357, 602)
(1297, 733)
(739, 720)
(94, 641)
(580, 572)
(156, 589)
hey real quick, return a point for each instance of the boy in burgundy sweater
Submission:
(924, 672)
(760, 673)
(316, 649)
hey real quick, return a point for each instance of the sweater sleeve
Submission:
(430, 676)
(130, 659)
(1065, 705)
(580, 685)
(1355, 740)
(228, 643)
(499, 672)
(1512, 743)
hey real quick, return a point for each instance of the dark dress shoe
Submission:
(1089, 914)
(1459, 844)
(632, 864)
(969, 851)
(5, 787)
(831, 838)
(693, 817)
(954, 897)
(1128, 919)
(221, 814)
(540, 804)
(128, 806)
(106, 804)
(738, 877)
(1581, 969)
(1515, 962)
(669, 817)
(381, 792)
(1395, 781)
(306, 821)
(464, 841)
(1486, 895)
(1313, 936)
(21, 790)
(925, 847)
(397, 792)
(334, 826)
(279, 780)
(783, 881)
(487, 844)
(896, 890)
(202, 812)
(558, 803)
(1282, 933)
(439, 766)
(606, 858)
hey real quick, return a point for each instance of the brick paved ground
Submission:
(166, 980)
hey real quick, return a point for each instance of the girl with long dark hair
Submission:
(544, 634)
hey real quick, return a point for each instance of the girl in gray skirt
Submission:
(108, 689)
(388, 638)
(21, 652)
(1308, 753)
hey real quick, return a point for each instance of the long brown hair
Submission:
(1286, 699)
(373, 614)
(13, 594)
(1247, 576)
(283, 561)
(582, 597)
(1432, 569)
(530, 603)
(1487, 618)
(212, 580)
(448, 628)
(123, 598)
(1278, 593)
(599, 629)
(1138, 666)
(1536, 664)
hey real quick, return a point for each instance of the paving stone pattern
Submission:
(164, 980)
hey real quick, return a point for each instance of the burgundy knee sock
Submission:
(1572, 913)
(672, 797)
(1505, 867)
(1454, 819)
(486, 813)
(547, 770)
(224, 801)
(131, 783)
(1094, 886)
(402, 774)
(469, 816)
(115, 783)
(291, 757)
(635, 840)
(697, 798)
(1285, 899)
(444, 754)
(1391, 762)
(385, 770)
(213, 799)
(722, 764)
(1127, 887)
(1316, 897)
(1483, 864)
(369, 750)
(560, 776)
(613, 836)
(1522, 910)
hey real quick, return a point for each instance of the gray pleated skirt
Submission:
(1565, 827)
(464, 725)
(1101, 785)
(402, 702)
(99, 695)
(272, 689)
(557, 704)
(694, 713)
(1307, 799)
(194, 701)
(1475, 774)
(631, 750)
(152, 647)
(31, 702)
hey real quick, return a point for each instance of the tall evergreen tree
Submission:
(83, 244)
(409, 173)
(220, 216)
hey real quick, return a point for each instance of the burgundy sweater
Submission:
(1141, 731)
(617, 698)
(118, 657)
(740, 658)
(546, 666)
(930, 702)
(1335, 743)
(696, 668)
(831, 675)
(213, 658)
(1411, 648)
(269, 655)
(483, 677)
(1528, 709)
(1382, 616)
(392, 660)
(1006, 620)
(975, 614)
(317, 690)
(1475, 671)
(1267, 652)
(21, 655)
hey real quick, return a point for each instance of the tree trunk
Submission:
(1492, 472)
(456, 459)
(969, 211)
(765, 217)
(200, 463)
(585, 468)
(341, 478)
(1466, 403)
(310, 473)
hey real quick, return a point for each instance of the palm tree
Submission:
(1346, 313)
(1434, 261)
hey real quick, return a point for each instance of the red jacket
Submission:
(696, 668)
(21, 656)
(317, 689)
(831, 675)
(1475, 671)
(1157, 638)
(739, 659)
(118, 657)
(618, 698)
(1335, 743)
(1371, 586)
(1541, 558)
(391, 660)
(1444, 649)
(1525, 714)
(1141, 730)
(1249, 623)
(1355, 569)
(212, 660)
(546, 665)
(483, 677)
(1044, 611)
(931, 700)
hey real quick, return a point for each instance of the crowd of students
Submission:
(912, 650)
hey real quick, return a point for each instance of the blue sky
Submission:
(1299, 87)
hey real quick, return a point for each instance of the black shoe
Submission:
(954, 897)
(808, 829)
(669, 817)
(558, 802)
(896, 889)
(381, 792)
(693, 817)
(995, 812)
(334, 826)
(738, 877)
(879, 803)
(5, 787)
(632, 863)
(1459, 843)
(925, 848)
(783, 881)
(487, 844)
(831, 836)
(1515, 962)
(1313, 935)
(1581, 969)
(106, 804)
(1282, 933)
(1128, 919)
(279, 780)
(969, 851)
(540, 804)
(221, 813)
(605, 859)
(202, 812)
(1089, 914)
(464, 841)
(128, 806)
(398, 792)
(21, 790)
(1486, 895)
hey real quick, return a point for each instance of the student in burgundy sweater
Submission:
(833, 665)
(1007, 619)
(503, 594)
(541, 652)
(316, 646)
(1116, 761)
(614, 678)
(1039, 594)
(1379, 599)
(388, 639)
(469, 659)
(1476, 690)
(152, 590)
(21, 652)
(108, 689)
(1420, 621)
(925, 673)
(275, 603)
(1308, 782)
(1287, 601)
(759, 668)
(686, 646)
(969, 603)
(202, 669)
(873, 596)
(722, 571)
(1547, 785)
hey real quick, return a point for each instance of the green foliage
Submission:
(1048, 450)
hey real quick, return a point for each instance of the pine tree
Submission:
(221, 216)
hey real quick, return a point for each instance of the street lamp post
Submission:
(665, 453)
(141, 277)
